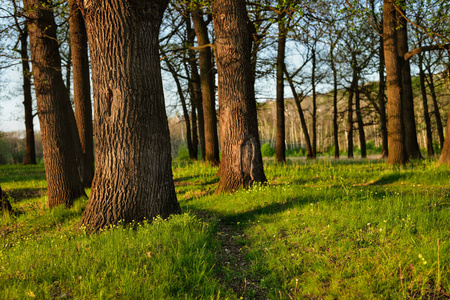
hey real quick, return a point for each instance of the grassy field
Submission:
(323, 230)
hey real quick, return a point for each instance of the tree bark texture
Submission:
(82, 89)
(208, 85)
(133, 177)
(62, 149)
(445, 153)
(30, 152)
(351, 94)
(412, 146)
(437, 113)
(397, 151)
(426, 115)
(280, 151)
(241, 151)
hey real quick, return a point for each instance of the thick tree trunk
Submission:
(241, 152)
(382, 102)
(62, 148)
(133, 177)
(437, 113)
(207, 83)
(82, 89)
(335, 106)
(397, 152)
(280, 151)
(426, 115)
(359, 119)
(409, 120)
(30, 152)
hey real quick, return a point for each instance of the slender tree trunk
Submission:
(314, 103)
(437, 113)
(351, 94)
(309, 153)
(30, 152)
(82, 89)
(187, 120)
(445, 153)
(409, 120)
(335, 100)
(133, 178)
(397, 152)
(62, 149)
(69, 69)
(382, 102)
(207, 83)
(280, 151)
(426, 114)
(359, 119)
(241, 155)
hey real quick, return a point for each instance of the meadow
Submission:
(320, 229)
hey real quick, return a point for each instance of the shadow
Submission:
(18, 195)
(388, 179)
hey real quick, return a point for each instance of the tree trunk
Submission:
(335, 106)
(207, 83)
(187, 120)
(62, 148)
(309, 153)
(241, 151)
(426, 115)
(314, 103)
(133, 177)
(409, 120)
(397, 152)
(382, 102)
(280, 151)
(445, 153)
(30, 152)
(82, 89)
(359, 119)
(351, 93)
(437, 113)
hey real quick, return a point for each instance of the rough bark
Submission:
(241, 155)
(280, 151)
(335, 101)
(61, 145)
(409, 121)
(426, 115)
(207, 84)
(133, 177)
(30, 152)
(397, 151)
(82, 89)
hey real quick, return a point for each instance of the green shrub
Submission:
(267, 151)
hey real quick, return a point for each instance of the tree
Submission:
(241, 163)
(62, 148)
(82, 89)
(397, 152)
(133, 177)
(280, 153)
(208, 87)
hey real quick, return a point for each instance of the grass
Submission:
(319, 229)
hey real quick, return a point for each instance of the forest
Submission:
(227, 149)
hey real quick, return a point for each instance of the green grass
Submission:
(319, 229)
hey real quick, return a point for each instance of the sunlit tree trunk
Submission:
(241, 163)
(82, 89)
(133, 177)
(280, 151)
(426, 114)
(62, 148)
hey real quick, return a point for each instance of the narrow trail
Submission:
(235, 265)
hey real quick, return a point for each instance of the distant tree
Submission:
(423, 89)
(62, 148)
(241, 163)
(82, 89)
(133, 177)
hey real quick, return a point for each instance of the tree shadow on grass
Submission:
(389, 179)
(18, 195)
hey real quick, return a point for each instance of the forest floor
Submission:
(321, 229)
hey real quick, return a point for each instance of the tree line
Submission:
(198, 43)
